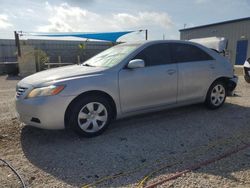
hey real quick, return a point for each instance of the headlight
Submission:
(45, 91)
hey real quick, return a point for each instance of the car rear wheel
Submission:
(216, 95)
(90, 115)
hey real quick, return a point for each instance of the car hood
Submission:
(60, 73)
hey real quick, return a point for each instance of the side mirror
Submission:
(136, 63)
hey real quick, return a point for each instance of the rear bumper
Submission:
(232, 83)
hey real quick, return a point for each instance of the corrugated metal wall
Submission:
(232, 31)
(68, 50)
(7, 50)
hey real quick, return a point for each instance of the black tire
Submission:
(247, 78)
(210, 99)
(246, 75)
(79, 104)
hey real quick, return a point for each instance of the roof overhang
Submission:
(215, 24)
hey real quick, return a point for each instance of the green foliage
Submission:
(41, 59)
(82, 46)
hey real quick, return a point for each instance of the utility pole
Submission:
(146, 33)
(17, 43)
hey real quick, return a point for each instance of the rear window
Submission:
(187, 52)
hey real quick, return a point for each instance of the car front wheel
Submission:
(216, 95)
(90, 115)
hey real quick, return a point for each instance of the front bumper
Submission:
(43, 112)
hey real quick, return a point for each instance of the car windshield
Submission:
(111, 56)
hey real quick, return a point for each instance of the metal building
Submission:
(237, 32)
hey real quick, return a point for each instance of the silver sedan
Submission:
(124, 80)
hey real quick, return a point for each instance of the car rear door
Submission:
(195, 68)
(150, 86)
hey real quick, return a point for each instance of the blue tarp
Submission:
(109, 36)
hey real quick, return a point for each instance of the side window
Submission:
(188, 52)
(156, 54)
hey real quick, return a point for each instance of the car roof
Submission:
(150, 42)
(158, 42)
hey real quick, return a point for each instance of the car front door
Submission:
(150, 86)
(195, 68)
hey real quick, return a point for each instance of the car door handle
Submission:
(171, 71)
(212, 66)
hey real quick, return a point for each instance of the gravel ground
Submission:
(164, 142)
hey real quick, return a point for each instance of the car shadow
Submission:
(134, 142)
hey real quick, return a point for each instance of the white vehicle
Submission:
(247, 70)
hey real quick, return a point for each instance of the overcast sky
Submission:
(160, 17)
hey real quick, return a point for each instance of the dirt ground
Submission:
(154, 145)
